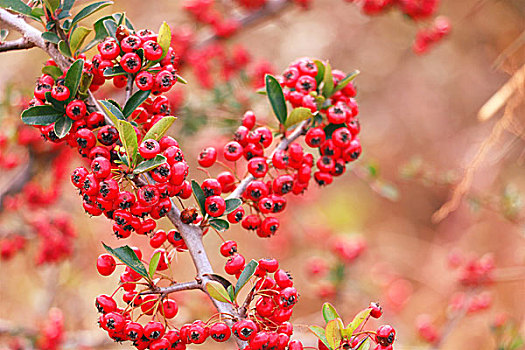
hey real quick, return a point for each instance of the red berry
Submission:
(149, 148)
(233, 151)
(234, 264)
(207, 157)
(152, 50)
(220, 332)
(215, 206)
(228, 248)
(385, 335)
(131, 62)
(76, 109)
(154, 330)
(106, 264)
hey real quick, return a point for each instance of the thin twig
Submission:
(18, 44)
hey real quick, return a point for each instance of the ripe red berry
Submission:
(376, 310)
(149, 148)
(106, 264)
(233, 151)
(169, 308)
(234, 264)
(236, 216)
(244, 329)
(207, 157)
(258, 167)
(114, 321)
(211, 187)
(130, 62)
(315, 137)
(60, 92)
(220, 332)
(105, 304)
(215, 206)
(76, 109)
(144, 81)
(109, 49)
(385, 335)
(248, 120)
(152, 50)
(134, 331)
(228, 248)
(154, 330)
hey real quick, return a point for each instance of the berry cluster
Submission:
(428, 37)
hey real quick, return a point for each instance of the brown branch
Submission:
(176, 287)
(18, 44)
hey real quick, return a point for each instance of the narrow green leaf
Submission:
(276, 97)
(361, 317)
(85, 82)
(112, 111)
(128, 137)
(40, 115)
(319, 333)
(53, 71)
(149, 164)
(3, 34)
(164, 38)
(320, 71)
(346, 80)
(153, 264)
(100, 33)
(330, 128)
(245, 276)
(181, 79)
(51, 37)
(217, 291)
(328, 81)
(329, 312)
(219, 224)
(135, 101)
(52, 5)
(62, 126)
(66, 7)
(232, 204)
(88, 10)
(77, 38)
(66, 25)
(73, 76)
(231, 292)
(64, 48)
(37, 12)
(198, 193)
(365, 345)
(129, 258)
(159, 128)
(16, 5)
(114, 71)
(57, 105)
(333, 333)
(111, 27)
(118, 16)
(298, 115)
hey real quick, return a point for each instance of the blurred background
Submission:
(423, 145)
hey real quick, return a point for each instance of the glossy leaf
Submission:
(100, 33)
(231, 292)
(181, 79)
(51, 37)
(164, 38)
(320, 71)
(77, 38)
(66, 7)
(17, 6)
(3, 34)
(298, 115)
(129, 258)
(40, 115)
(89, 10)
(53, 71)
(219, 224)
(329, 312)
(217, 291)
(64, 48)
(62, 126)
(57, 105)
(276, 97)
(198, 193)
(128, 137)
(319, 333)
(114, 71)
(111, 27)
(135, 101)
(153, 264)
(52, 5)
(232, 204)
(113, 112)
(159, 128)
(346, 80)
(358, 320)
(333, 333)
(245, 276)
(149, 164)
(328, 81)
(73, 76)
(37, 12)
(85, 82)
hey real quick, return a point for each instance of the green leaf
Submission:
(361, 317)
(112, 111)
(153, 263)
(231, 292)
(3, 34)
(365, 345)
(128, 137)
(67, 24)
(85, 82)
(77, 38)
(232, 204)
(164, 39)
(129, 258)
(118, 17)
(17, 6)
(88, 10)
(276, 97)
(111, 27)
(135, 101)
(198, 193)
(73, 76)
(217, 291)
(64, 48)
(319, 333)
(181, 79)
(40, 115)
(328, 81)
(100, 33)
(62, 126)
(149, 164)
(52, 5)
(245, 276)
(53, 71)
(346, 80)
(159, 128)
(298, 115)
(329, 312)
(51, 37)
(114, 71)
(57, 105)
(219, 224)
(37, 12)
(333, 333)
(320, 71)
(66, 7)
(330, 128)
